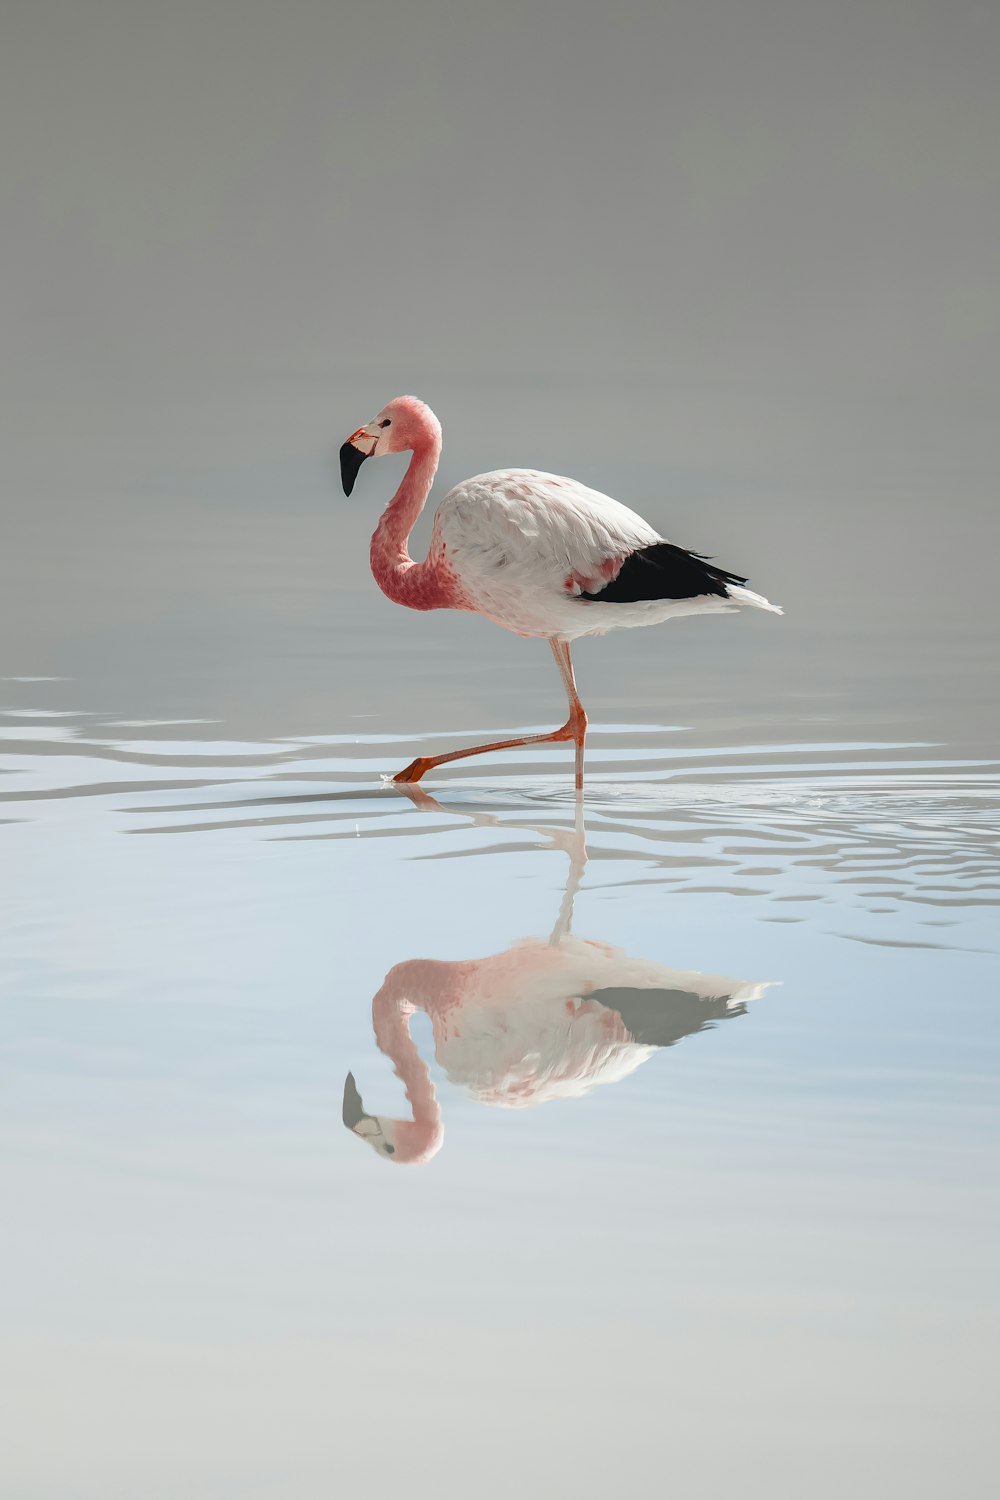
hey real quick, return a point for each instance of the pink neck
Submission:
(419, 585)
(391, 1012)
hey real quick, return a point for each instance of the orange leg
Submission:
(577, 721)
(574, 729)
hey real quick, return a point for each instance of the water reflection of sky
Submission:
(193, 940)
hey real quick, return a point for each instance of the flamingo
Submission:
(539, 554)
(541, 1021)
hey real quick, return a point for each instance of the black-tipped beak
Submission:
(354, 1110)
(350, 462)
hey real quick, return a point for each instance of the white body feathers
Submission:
(524, 546)
(527, 1032)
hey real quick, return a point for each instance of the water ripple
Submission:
(878, 825)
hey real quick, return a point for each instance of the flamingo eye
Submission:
(389, 1150)
(386, 423)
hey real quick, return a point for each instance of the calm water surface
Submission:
(693, 1174)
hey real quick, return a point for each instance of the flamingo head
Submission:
(405, 425)
(406, 1141)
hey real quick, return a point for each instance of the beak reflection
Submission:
(354, 1110)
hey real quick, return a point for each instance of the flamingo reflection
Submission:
(544, 1020)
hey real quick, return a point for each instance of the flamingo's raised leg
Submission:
(575, 729)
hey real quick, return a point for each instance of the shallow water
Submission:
(736, 1224)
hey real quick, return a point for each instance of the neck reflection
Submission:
(543, 1020)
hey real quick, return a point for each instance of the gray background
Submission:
(734, 263)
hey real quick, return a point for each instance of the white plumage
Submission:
(539, 1022)
(526, 545)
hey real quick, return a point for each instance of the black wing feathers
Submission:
(659, 1018)
(664, 571)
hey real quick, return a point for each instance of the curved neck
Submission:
(391, 562)
(391, 1012)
